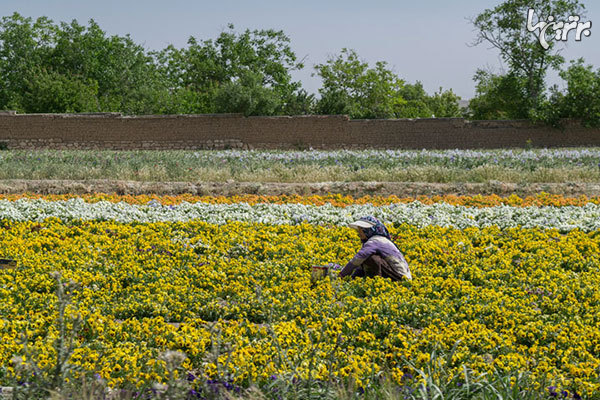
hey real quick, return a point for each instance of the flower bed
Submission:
(229, 286)
(566, 218)
(338, 200)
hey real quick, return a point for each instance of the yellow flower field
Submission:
(237, 299)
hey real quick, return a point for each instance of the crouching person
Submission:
(379, 255)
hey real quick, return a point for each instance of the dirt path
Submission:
(353, 188)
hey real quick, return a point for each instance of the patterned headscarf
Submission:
(377, 229)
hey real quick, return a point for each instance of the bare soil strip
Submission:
(357, 189)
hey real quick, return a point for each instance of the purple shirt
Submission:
(383, 247)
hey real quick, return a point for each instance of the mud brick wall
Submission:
(234, 131)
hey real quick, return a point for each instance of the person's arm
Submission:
(367, 250)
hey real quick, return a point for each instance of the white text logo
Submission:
(558, 30)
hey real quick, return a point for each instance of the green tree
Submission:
(300, 103)
(255, 64)
(128, 81)
(505, 28)
(415, 103)
(248, 96)
(52, 92)
(24, 46)
(499, 97)
(119, 72)
(444, 104)
(580, 99)
(351, 87)
(418, 104)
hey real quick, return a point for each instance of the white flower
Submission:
(586, 218)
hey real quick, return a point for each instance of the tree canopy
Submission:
(504, 27)
(350, 86)
(70, 67)
(45, 67)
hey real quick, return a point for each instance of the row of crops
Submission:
(516, 166)
(533, 158)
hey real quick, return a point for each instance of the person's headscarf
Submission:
(377, 229)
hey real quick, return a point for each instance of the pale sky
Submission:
(426, 40)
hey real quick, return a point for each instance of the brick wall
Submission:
(218, 131)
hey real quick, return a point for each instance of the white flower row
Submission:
(586, 218)
(518, 155)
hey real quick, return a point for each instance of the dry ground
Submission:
(357, 189)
